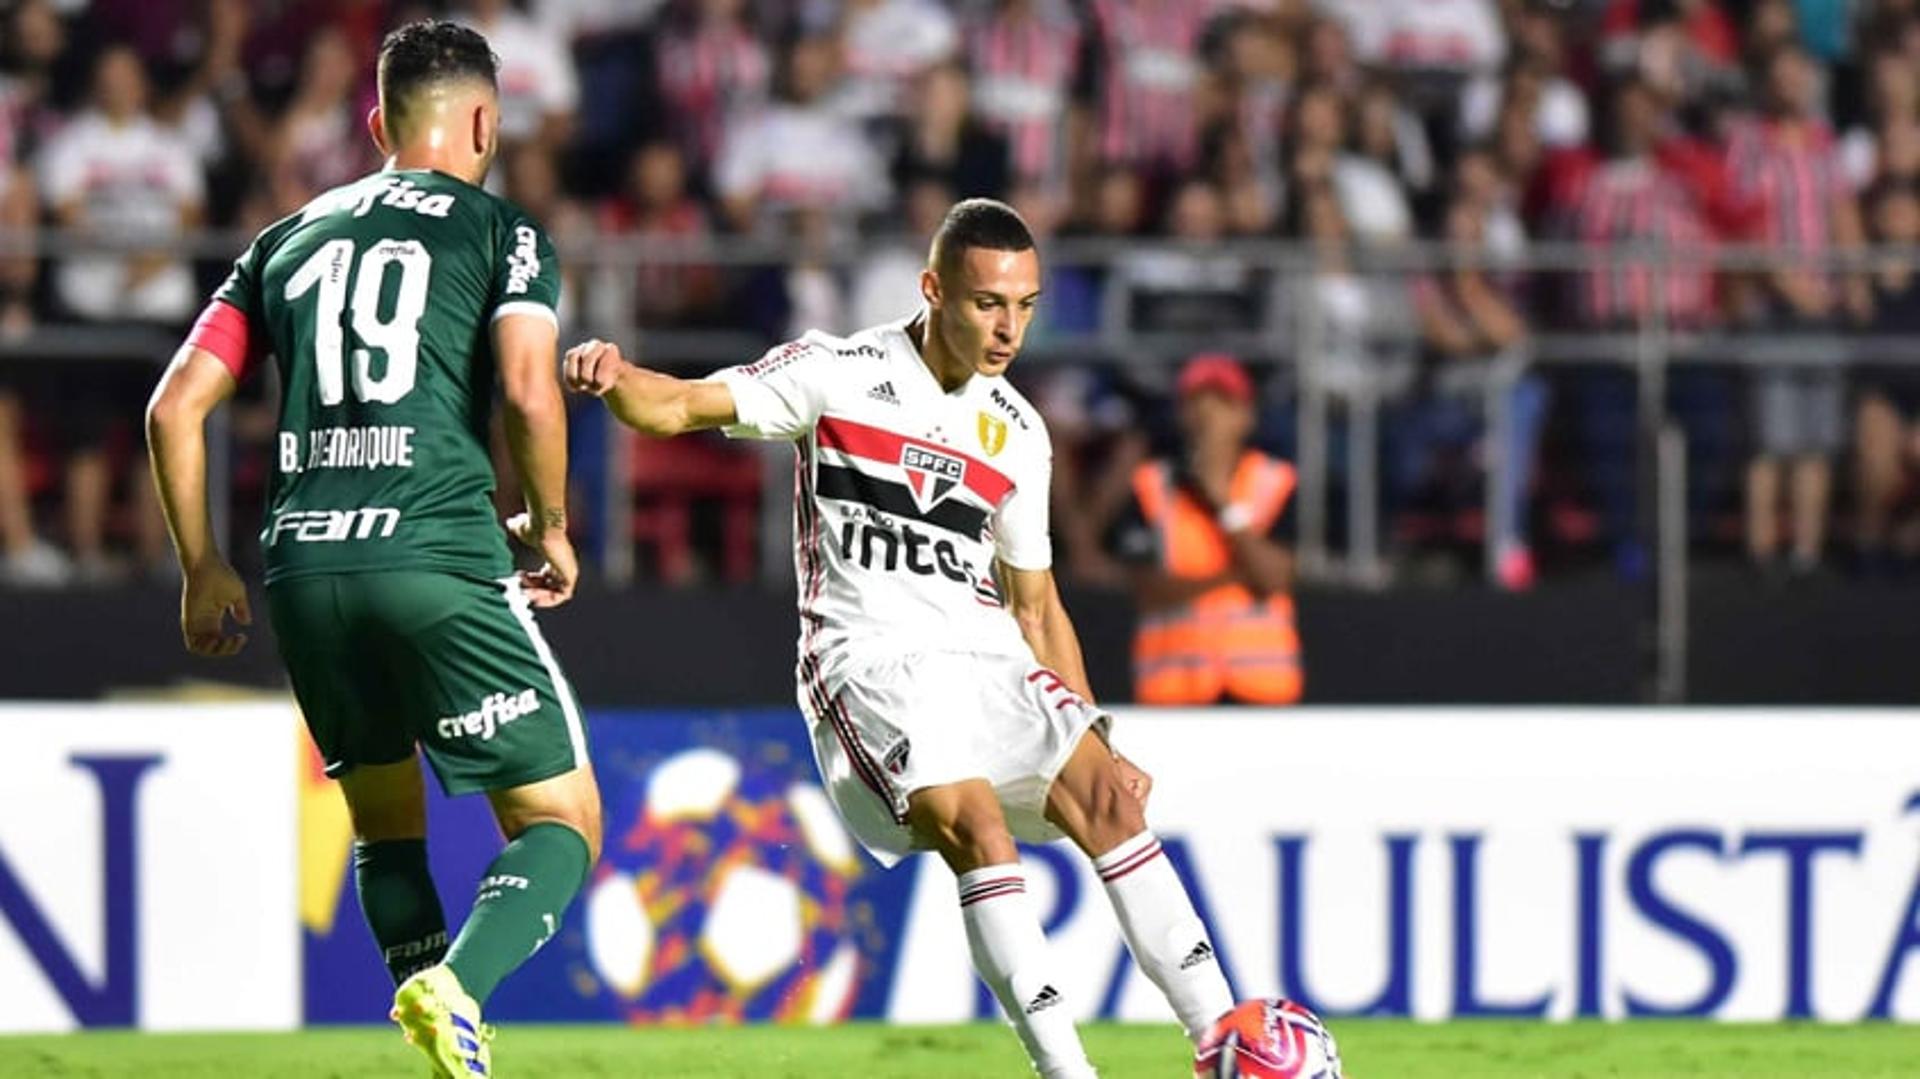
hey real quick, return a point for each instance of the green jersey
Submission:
(377, 301)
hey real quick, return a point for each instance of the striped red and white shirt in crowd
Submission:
(1792, 177)
(708, 73)
(1024, 58)
(1636, 202)
(1151, 63)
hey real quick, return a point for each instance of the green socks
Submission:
(400, 903)
(521, 898)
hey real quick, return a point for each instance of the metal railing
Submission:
(1287, 332)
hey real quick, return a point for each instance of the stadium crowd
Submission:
(1351, 129)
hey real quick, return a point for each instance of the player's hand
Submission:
(551, 584)
(594, 367)
(1134, 778)
(210, 592)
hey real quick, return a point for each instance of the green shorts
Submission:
(384, 661)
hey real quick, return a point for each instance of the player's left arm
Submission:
(195, 383)
(1034, 600)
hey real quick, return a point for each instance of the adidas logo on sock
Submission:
(1046, 998)
(884, 392)
(1201, 953)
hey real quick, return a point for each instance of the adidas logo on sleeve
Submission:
(884, 393)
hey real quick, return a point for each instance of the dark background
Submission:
(1822, 641)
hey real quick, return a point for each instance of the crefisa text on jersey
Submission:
(396, 192)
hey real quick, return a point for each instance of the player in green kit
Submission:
(393, 307)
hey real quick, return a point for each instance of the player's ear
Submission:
(930, 287)
(483, 130)
(377, 127)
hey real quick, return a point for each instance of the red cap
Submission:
(1219, 372)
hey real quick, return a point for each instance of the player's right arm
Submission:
(648, 401)
(195, 384)
(536, 428)
(780, 396)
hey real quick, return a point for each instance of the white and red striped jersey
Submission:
(1151, 66)
(904, 496)
(1023, 64)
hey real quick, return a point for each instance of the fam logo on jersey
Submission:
(993, 434)
(931, 474)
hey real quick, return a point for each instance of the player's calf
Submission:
(964, 824)
(1091, 803)
(388, 804)
(553, 831)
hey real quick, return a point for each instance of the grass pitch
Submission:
(1372, 1050)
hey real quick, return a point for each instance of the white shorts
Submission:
(904, 723)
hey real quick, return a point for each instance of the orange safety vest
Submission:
(1225, 642)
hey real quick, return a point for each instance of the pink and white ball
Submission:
(1268, 1039)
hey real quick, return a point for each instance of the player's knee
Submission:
(1113, 814)
(377, 824)
(585, 825)
(970, 836)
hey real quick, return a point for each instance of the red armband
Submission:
(222, 330)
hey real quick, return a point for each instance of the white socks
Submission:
(1165, 935)
(1010, 955)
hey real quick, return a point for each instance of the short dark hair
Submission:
(422, 54)
(983, 223)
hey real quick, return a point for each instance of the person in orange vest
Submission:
(1209, 535)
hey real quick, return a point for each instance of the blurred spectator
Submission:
(320, 140)
(944, 144)
(1328, 57)
(1024, 55)
(656, 204)
(1097, 442)
(1535, 80)
(1149, 69)
(1786, 165)
(1189, 287)
(1633, 198)
(1681, 48)
(886, 280)
(1465, 36)
(19, 202)
(1385, 133)
(25, 560)
(577, 19)
(1887, 145)
(113, 172)
(1352, 311)
(1209, 538)
(712, 69)
(887, 45)
(816, 293)
(1372, 201)
(30, 50)
(798, 153)
(1255, 77)
(1887, 432)
(1070, 293)
(1472, 324)
(539, 90)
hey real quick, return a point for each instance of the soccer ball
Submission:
(1267, 1039)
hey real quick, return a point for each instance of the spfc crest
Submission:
(931, 474)
(993, 434)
